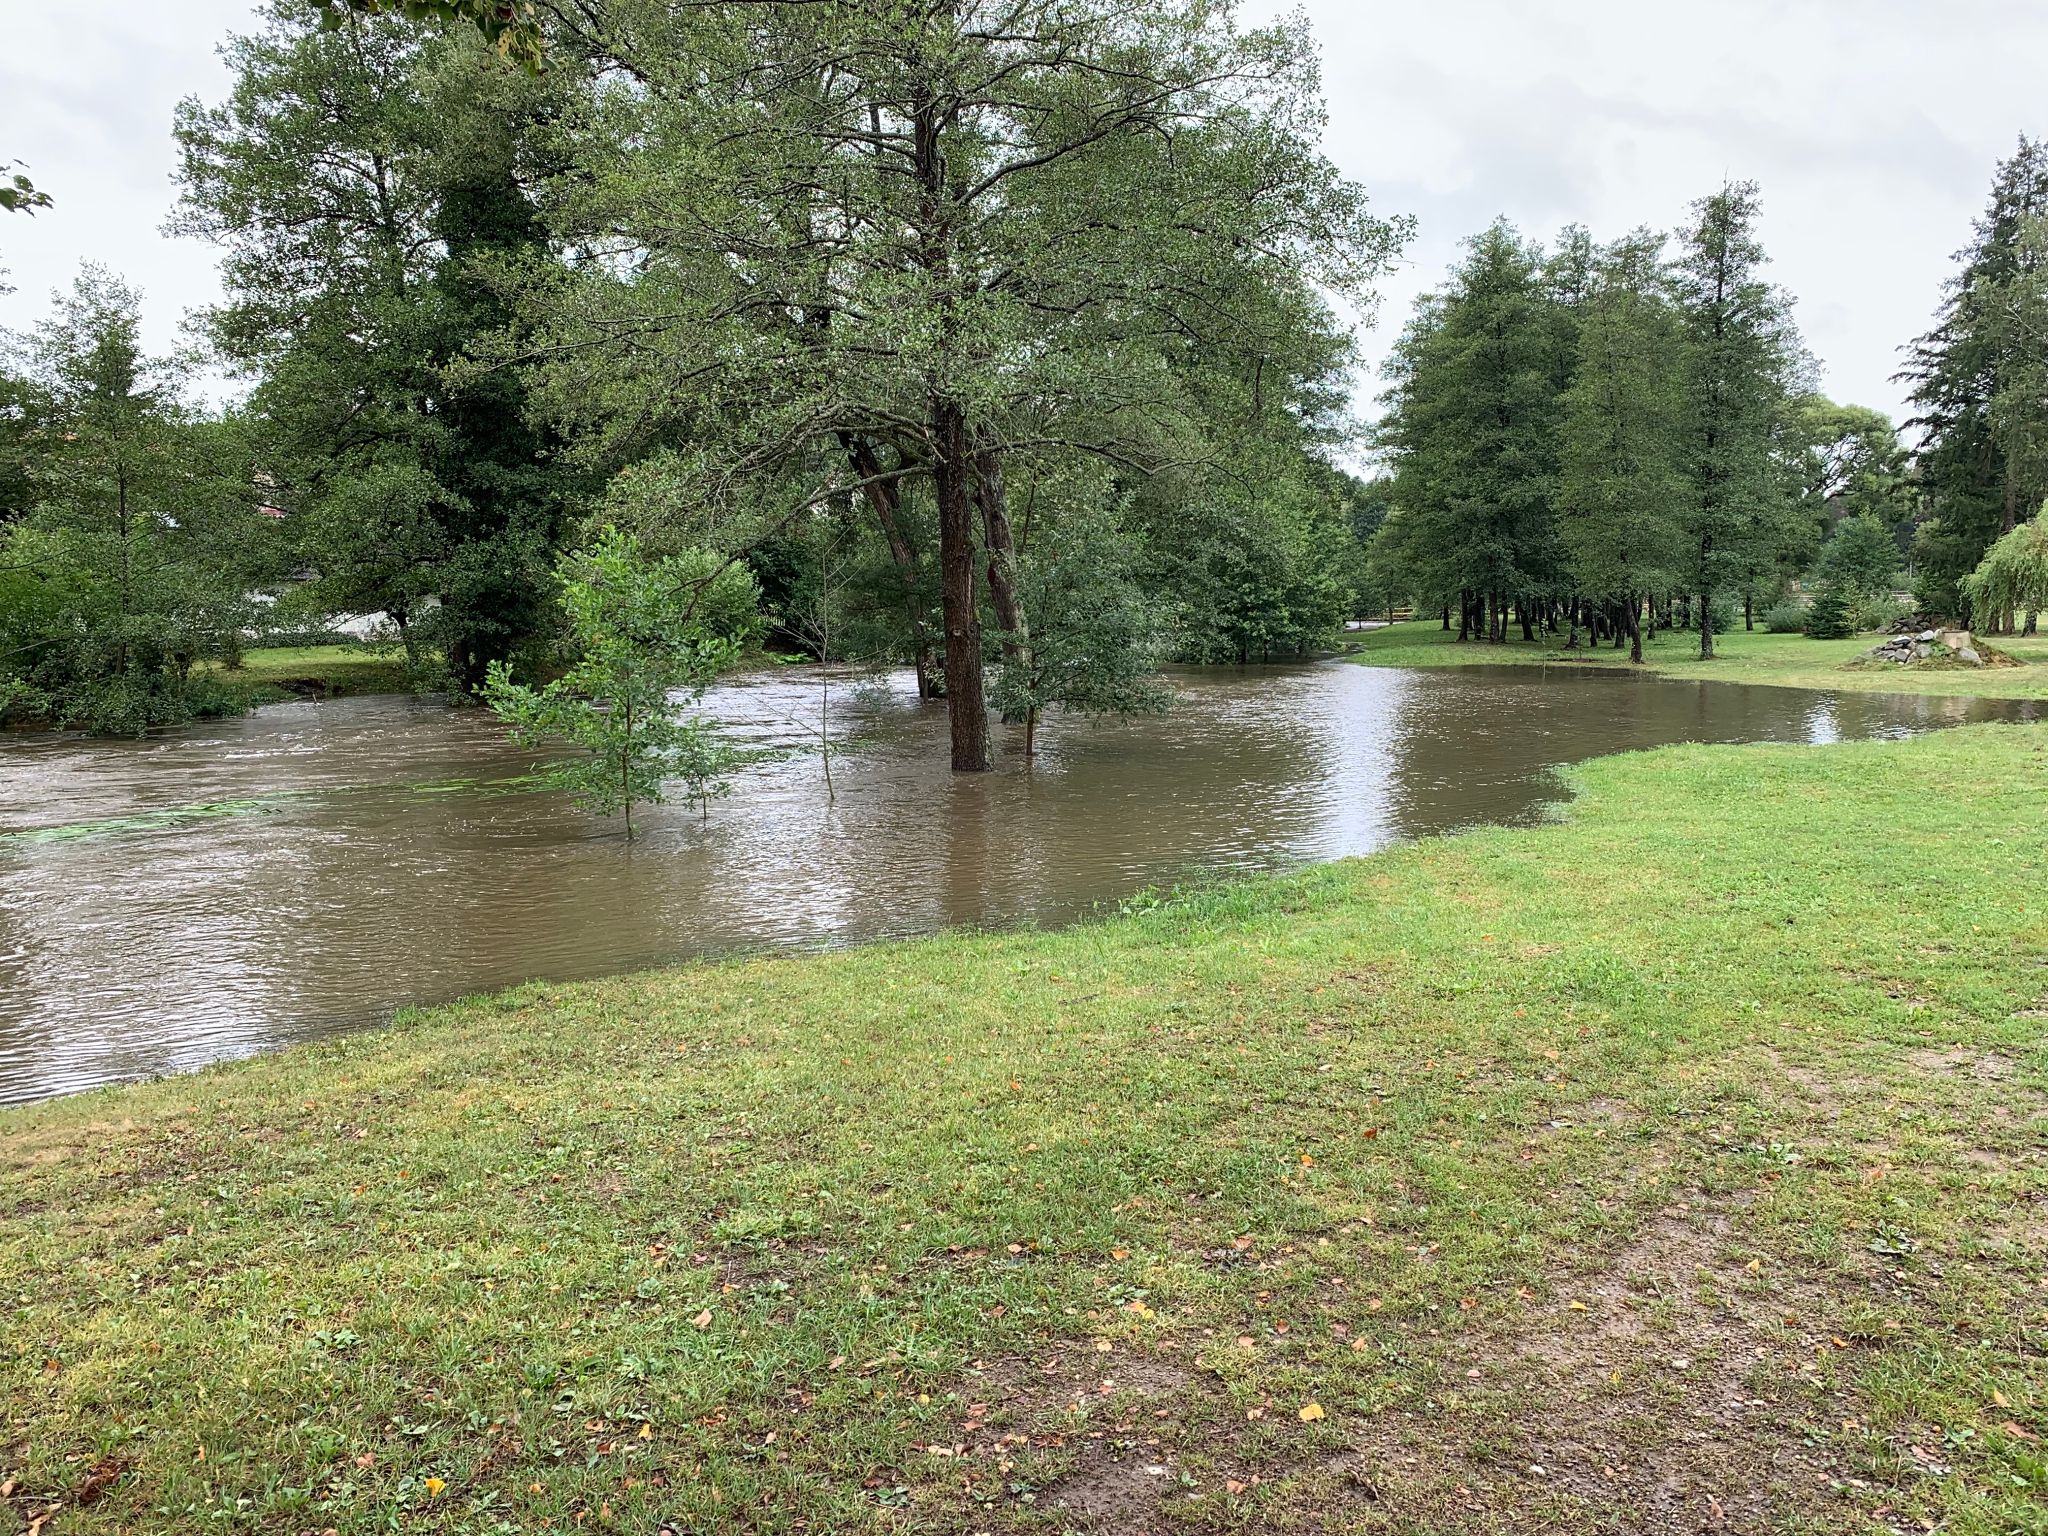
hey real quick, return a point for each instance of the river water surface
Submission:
(240, 885)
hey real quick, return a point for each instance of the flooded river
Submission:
(240, 885)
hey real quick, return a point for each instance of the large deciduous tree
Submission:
(365, 182)
(950, 243)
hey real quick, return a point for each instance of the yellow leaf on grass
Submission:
(1311, 1413)
(434, 1487)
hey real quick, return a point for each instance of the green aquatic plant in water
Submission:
(155, 821)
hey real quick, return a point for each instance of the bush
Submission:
(1787, 618)
(1880, 612)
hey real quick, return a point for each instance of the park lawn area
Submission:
(328, 671)
(1676, 1166)
(1744, 656)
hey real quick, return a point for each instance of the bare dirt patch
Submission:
(1960, 1061)
(1662, 1391)
(1104, 1427)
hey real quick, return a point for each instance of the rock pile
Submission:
(1955, 647)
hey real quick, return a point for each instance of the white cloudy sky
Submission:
(1872, 125)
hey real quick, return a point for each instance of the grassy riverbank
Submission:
(1745, 656)
(318, 671)
(1675, 1167)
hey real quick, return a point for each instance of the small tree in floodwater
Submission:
(649, 635)
(1095, 648)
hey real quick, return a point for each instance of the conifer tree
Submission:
(1741, 365)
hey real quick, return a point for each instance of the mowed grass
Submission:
(326, 670)
(1676, 1167)
(1742, 656)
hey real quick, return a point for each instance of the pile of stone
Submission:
(1922, 646)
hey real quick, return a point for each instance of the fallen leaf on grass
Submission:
(1311, 1413)
(702, 1319)
(2017, 1433)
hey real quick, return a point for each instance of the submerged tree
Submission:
(644, 654)
(850, 247)
(1100, 641)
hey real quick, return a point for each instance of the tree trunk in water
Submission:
(966, 714)
(885, 498)
(1002, 559)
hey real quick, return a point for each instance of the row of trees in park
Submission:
(1616, 436)
(994, 340)
(1604, 436)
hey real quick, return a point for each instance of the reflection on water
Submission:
(312, 867)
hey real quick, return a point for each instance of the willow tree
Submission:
(2013, 575)
(839, 248)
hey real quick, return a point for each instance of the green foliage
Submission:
(1860, 558)
(648, 637)
(18, 194)
(1785, 618)
(1881, 611)
(1829, 617)
(366, 186)
(512, 27)
(1742, 363)
(1620, 497)
(137, 549)
(1096, 640)
(2013, 575)
(1980, 398)
(1472, 429)
(1844, 461)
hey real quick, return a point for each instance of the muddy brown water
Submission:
(235, 886)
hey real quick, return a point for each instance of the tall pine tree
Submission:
(1741, 360)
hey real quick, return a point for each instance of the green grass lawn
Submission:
(318, 670)
(1744, 656)
(1675, 1167)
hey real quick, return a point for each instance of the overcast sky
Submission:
(1872, 125)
